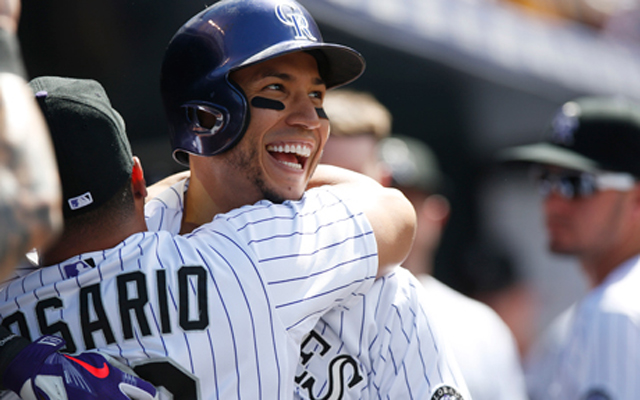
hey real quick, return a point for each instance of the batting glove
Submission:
(40, 372)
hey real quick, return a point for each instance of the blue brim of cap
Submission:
(548, 154)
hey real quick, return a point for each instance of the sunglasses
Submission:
(571, 185)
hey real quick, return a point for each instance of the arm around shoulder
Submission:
(389, 212)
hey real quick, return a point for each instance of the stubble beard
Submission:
(242, 161)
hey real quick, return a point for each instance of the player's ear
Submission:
(138, 184)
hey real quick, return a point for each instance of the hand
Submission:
(40, 372)
(166, 183)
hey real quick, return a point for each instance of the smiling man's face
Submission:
(286, 134)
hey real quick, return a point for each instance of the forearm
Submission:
(332, 175)
(30, 210)
(10, 56)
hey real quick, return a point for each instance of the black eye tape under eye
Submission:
(263, 102)
(321, 113)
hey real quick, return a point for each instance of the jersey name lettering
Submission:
(343, 372)
(132, 297)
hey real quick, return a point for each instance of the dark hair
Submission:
(119, 207)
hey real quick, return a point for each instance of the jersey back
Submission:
(219, 313)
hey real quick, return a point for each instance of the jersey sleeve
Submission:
(315, 254)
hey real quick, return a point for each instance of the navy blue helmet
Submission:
(207, 112)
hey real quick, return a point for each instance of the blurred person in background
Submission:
(485, 272)
(588, 170)
(483, 345)
(358, 123)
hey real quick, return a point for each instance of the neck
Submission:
(599, 266)
(96, 238)
(199, 206)
(208, 196)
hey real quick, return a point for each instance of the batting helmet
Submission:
(225, 37)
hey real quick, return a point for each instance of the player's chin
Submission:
(279, 196)
(287, 186)
(279, 189)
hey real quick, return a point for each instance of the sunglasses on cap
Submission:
(574, 184)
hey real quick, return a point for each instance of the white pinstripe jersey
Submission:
(592, 351)
(381, 347)
(217, 314)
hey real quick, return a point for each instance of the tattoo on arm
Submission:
(30, 212)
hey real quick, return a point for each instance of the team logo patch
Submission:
(80, 201)
(446, 393)
(565, 124)
(72, 270)
(290, 15)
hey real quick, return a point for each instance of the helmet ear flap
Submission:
(211, 128)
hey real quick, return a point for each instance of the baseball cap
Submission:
(589, 134)
(92, 150)
(412, 163)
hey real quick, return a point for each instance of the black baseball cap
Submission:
(589, 134)
(90, 140)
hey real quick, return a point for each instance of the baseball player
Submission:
(216, 314)
(588, 173)
(236, 103)
(30, 215)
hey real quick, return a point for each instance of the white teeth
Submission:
(300, 150)
(292, 165)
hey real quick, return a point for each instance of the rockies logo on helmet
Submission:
(291, 15)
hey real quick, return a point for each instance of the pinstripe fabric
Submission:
(594, 347)
(383, 347)
(221, 312)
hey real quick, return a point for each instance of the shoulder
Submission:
(319, 211)
(164, 211)
(618, 294)
(611, 308)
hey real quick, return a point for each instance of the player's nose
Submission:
(304, 113)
